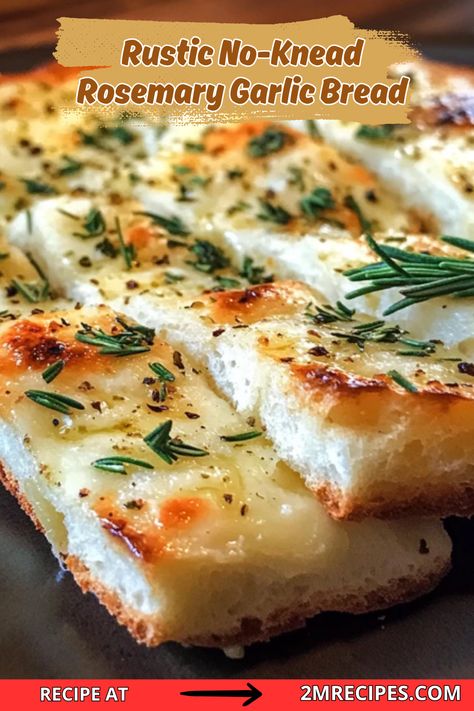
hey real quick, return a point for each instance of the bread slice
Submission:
(322, 263)
(255, 173)
(203, 536)
(372, 472)
(172, 265)
(264, 175)
(429, 162)
(363, 440)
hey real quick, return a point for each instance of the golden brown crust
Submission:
(39, 341)
(246, 306)
(151, 631)
(457, 498)
(318, 378)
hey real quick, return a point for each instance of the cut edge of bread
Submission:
(150, 631)
(352, 492)
(411, 578)
(290, 416)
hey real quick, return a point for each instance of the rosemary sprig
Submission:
(170, 449)
(364, 331)
(34, 291)
(402, 381)
(223, 283)
(54, 401)
(253, 273)
(132, 340)
(117, 465)
(377, 133)
(318, 200)
(162, 372)
(242, 436)
(35, 187)
(52, 371)
(328, 313)
(420, 276)
(127, 250)
(270, 141)
(173, 225)
(93, 225)
(381, 332)
(209, 257)
(273, 213)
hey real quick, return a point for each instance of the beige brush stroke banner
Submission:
(98, 43)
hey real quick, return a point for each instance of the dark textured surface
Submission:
(48, 628)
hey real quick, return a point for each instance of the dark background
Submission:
(27, 23)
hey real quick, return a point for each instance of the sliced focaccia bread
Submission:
(48, 147)
(22, 283)
(251, 174)
(263, 174)
(430, 162)
(376, 420)
(421, 282)
(96, 250)
(167, 504)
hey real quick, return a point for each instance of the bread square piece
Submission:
(167, 504)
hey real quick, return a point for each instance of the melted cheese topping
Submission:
(229, 503)
(430, 162)
(285, 323)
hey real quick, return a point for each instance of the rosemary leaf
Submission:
(52, 371)
(54, 401)
(170, 449)
(402, 381)
(242, 436)
(118, 465)
(162, 372)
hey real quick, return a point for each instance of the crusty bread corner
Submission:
(369, 446)
(427, 163)
(411, 472)
(457, 498)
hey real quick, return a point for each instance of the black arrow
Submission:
(251, 693)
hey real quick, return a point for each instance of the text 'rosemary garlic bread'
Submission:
(430, 162)
(167, 504)
(376, 420)
(255, 173)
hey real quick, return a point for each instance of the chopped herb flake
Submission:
(53, 370)
(242, 436)
(270, 141)
(170, 449)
